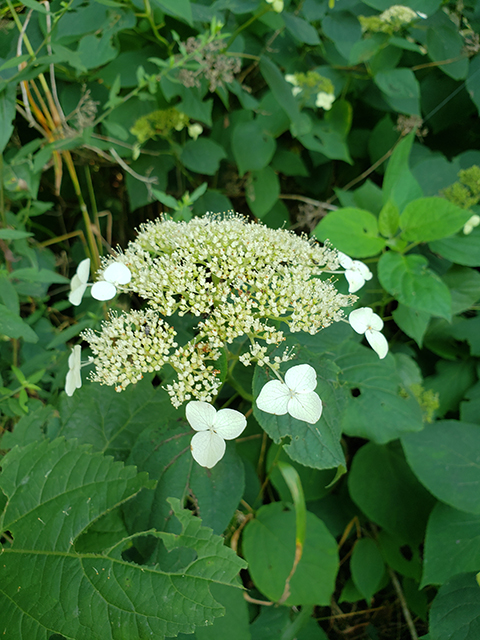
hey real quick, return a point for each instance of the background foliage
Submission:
(114, 111)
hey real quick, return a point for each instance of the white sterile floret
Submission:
(356, 272)
(115, 274)
(79, 282)
(213, 427)
(324, 100)
(74, 377)
(471, 223)
(277, 5)
(364, 321)
(195, 130)
(295, 396)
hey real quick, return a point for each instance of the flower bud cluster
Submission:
(238, 278)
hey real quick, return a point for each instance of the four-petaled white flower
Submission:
(79, 282)
(213, 427)
(364, 321)
(295, 396)
(356, 272)
(325, 100)
(471, 223)
(115, 274)
(74, 377)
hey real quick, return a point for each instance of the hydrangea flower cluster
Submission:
(238, 278)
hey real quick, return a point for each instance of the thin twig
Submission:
(403, 604)
(315, 203)
(29, 115)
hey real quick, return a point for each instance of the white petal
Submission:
(117, 273)
(301, 378)
(207, 448)
(83, 270)
(74, 378)
(378, 342)
(355, 280)
(229, 423)
(102, 290)
(200, 415)
(362, 269)
(306, 407)
(359, 319)
(77, 290)
(376, 323)
(273, 398)
(345, 261)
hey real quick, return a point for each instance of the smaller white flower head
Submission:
(277, 5)
(364, 321)
(79, 282)
(295, 396)
(213, 427)
(356, 272)
(115, 274)
(473, 222)
(74, 377)
(195, 130)
(324, 100)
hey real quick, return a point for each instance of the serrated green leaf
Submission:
(452, 544)
(388, 219)
(444, 457)
(429, 219)
(455, 611)
(382, 484)
(353, 231)
(412, 322)
(408, 278)
(48, 587)
(269, 547)
(461, 249)
(313, 445)
(109, 421)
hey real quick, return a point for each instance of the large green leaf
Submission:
(445, 43)
(313, 445)
(353, 231)
(379, 407)
(428, 219)
(367, 567)
(461, 249)
(444, 457)
(383, 486)
(263, 189)
(412, 322)
(164, 451)
(251, 135)
(464, 285)
(455, 612)
(269, 548)
(401, 90)
(203, 156)
(409, 279)
(110, 421)
(7, 114)
(55, 492)
(13, 326)
(452, 544)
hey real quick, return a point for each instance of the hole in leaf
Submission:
(355, 392)
(406, 552)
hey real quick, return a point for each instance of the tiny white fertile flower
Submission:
(195, 130)
(115, 274)
(325, 100)
(79, 282)
(356, 272)
(213, 427)
(74, 377)
(364, 321)
(295, 396)
(473, 222)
